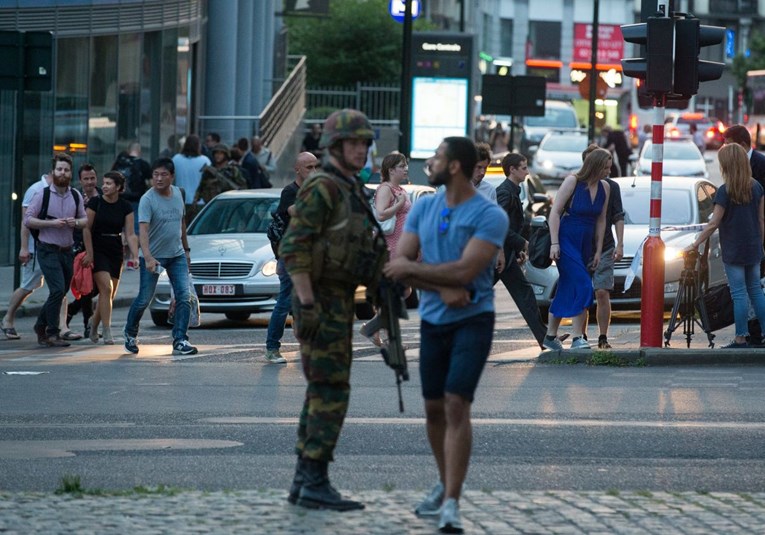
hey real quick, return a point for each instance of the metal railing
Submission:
(379, 102)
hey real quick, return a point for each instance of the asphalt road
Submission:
(227, 420)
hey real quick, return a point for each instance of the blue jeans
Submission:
(745, 280)
(281, 309)
(178, 273)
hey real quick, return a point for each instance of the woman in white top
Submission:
(188, 167)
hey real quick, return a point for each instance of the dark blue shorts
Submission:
(452, 356)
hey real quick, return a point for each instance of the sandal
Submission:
(10, 333)
(69, 335)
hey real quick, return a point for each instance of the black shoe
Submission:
(603, 342)
(56, 341)
(297, 482)
(42, 337)
(318, 493)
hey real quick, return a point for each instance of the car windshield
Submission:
(554, 118)
(674, 151)
(565, 143)
(235, 215)
(637, 206)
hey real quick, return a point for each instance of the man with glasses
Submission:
(458, 232)
(305, 164)
(163, 244)
(516, 247)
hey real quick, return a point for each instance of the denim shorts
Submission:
(452, 356)
(603, 278)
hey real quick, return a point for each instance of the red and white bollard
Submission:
(652, 290)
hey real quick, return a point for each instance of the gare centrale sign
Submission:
(610, 43)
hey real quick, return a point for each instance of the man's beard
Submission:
(61, 181)
(438, 179)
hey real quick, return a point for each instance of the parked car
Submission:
(559, 154)
(232, 263)
(681, 158)
(691, 202)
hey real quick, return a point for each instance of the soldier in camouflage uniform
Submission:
(219, 177)
(329, 248)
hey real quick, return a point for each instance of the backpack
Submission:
(275, 231)
(132, 170)
(43, 213)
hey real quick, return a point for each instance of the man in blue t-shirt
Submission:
(458, 232)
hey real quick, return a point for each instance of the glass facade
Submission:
(112, 86)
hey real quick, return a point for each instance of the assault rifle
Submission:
(392, 309)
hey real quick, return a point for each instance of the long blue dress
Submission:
(576, 237)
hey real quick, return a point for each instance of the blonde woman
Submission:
(739, 215)
(584, 199)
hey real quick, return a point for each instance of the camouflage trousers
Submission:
(328, 372)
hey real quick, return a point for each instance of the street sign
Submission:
(396, 9)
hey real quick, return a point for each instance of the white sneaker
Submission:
(273, 356)
(580, 343)
(450, 521)
(552, 344)
(431, 505)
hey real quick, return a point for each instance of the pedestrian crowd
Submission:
(329, 235)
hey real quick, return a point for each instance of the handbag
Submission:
(389, 225)
(719, 306)
(540, 243)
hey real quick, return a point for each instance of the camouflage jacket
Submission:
(332, 236)
(215, 181)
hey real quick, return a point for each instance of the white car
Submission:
(685, 201)
(559, 155)
(681, 158)
(232, 263)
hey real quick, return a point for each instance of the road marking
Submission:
(31, 449)
(534, 422)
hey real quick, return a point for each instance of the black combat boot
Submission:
(318, 493)
(297, 482)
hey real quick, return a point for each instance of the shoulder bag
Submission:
(389, 225)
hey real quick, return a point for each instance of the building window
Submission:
(102, 120)
(544, 40)
(71, 107)
(506, 37)
(733, 7)
(129, 90)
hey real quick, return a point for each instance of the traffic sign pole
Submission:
(652, 290)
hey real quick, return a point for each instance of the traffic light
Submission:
(656, 68)
(690, 36)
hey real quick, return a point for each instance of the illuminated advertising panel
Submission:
(439, 110)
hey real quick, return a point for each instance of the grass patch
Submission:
(72, 484)
(644, 493)
(388, 487)
(703, 492)
(606, 358)
(612, 492)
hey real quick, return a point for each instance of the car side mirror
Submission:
(540, 197)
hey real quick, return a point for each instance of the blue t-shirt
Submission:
(740, 237)
(443, 234)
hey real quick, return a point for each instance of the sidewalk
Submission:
(267, 511)
(125, 294)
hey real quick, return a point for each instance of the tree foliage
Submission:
(756, 59)
(358, 42)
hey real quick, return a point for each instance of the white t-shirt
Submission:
(188, 173)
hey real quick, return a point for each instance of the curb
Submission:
(655, 357)
(33, 309)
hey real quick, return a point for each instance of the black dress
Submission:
(107, 234)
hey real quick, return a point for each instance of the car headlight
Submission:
(269, 268)
(548, 164)
(671, 253)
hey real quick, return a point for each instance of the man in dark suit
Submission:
(739, 134)
(516, 247)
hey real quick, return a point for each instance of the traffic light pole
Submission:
(652, 291)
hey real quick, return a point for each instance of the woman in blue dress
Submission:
(577, 241)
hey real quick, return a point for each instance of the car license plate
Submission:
(218, 289)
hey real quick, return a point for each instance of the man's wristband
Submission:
(187, 249)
